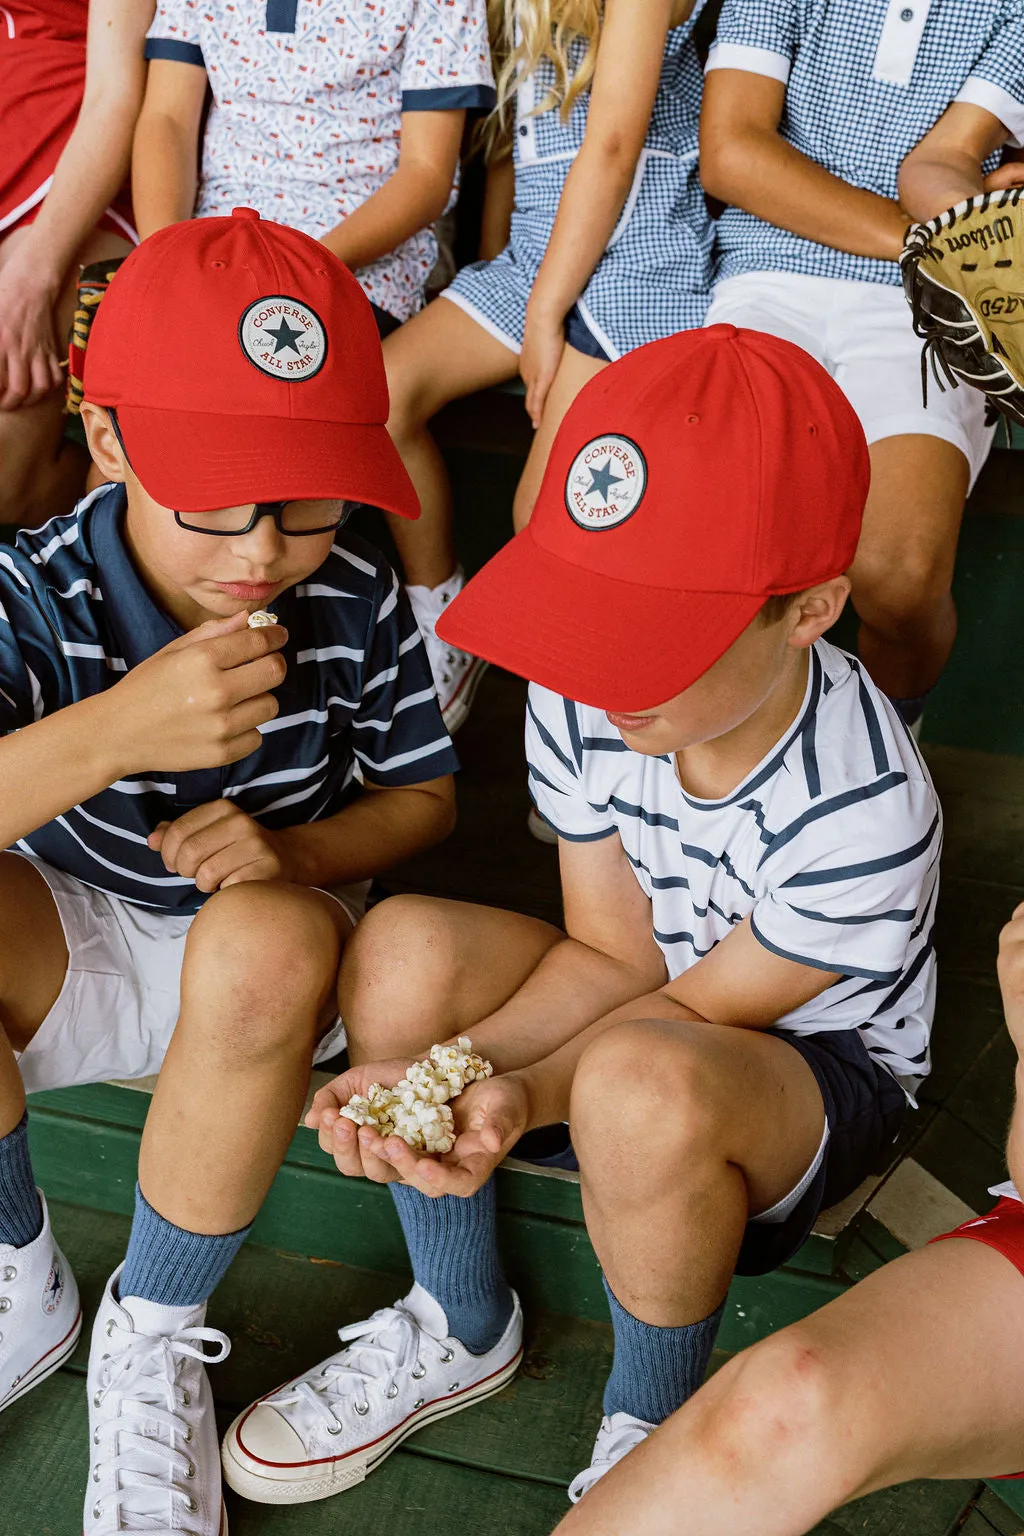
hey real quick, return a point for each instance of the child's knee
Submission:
(641, 1087)
(780, 1400)
(399, 961)
(268, 951)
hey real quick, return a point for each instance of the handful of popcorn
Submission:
(417, 1108)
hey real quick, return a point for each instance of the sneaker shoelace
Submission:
(151, 1468)
(379, 1350)
(611, 1446)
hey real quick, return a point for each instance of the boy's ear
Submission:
(103, 445)
(816, 610)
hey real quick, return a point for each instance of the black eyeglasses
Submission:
(295, 519)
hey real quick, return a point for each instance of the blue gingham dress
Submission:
(865, 81)
(653, 279)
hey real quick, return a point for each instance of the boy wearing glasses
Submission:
(181, 791)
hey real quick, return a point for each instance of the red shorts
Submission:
(42, 79)
(1003, 1230)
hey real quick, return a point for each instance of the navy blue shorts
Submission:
(581, 338)
(865, 1108)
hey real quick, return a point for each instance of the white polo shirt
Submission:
(830, 846)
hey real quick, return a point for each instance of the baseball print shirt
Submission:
(308, 97)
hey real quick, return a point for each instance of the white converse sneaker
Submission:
(40, 1314)
(324, 1431)
(456, 674)
(154, 1462)
(618, 1435)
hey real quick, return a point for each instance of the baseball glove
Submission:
(93, 282)
(963, 274)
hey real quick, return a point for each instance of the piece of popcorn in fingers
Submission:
(261, 618)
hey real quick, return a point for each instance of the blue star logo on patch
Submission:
(285, 336)
(606, 482)
(601, 481)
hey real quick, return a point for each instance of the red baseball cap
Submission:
(244, 363)
(688, 482)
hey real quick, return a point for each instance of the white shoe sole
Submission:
(348, 1471)
(456, 712)
(46, 1365)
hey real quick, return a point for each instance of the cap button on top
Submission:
(244, 213)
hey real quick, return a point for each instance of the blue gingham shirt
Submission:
(865, 81)
(357, 701)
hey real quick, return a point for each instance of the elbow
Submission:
(722, 159)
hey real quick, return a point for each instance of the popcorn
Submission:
(261, 619)
(417, 1108)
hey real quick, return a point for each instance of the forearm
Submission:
(548, 1083)
(929, 184)
(572, 987)
(410, 200)
(58, 762)
(87, 178)
(765, 175)
(592, 200)
(375, 832)
(164, 175)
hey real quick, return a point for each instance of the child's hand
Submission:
(490, 1117)
(1009, 175)
(355, 1149)
(543, 345)
(197, 703)
(1011, 976)
(217, 845)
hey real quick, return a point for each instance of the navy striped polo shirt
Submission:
(358, 699)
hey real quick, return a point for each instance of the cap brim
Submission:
(599, 641)
(193, 461)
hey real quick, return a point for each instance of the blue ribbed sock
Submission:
(21, 1214)
(453, 1244)
(170, 1266)
(656, 1370)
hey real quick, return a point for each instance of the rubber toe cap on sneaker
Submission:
(265, 1436)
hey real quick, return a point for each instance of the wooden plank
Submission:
(913, 1206)
(1011, 1495)
(996, 1514)
(45, 1450)
(911, 1509)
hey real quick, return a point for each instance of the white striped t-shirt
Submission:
(830, 846)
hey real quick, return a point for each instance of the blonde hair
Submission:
(546, 30)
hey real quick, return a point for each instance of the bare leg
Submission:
(420, 969)
(739, 1117)
(575, 370)
(33, 964)
(42, 476)
(438, 356)
(904, 566)
(913, 1373)
(257, 986)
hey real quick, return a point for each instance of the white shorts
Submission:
(119, 1003)
(863, 335)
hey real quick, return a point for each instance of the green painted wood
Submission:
(44, 1447)
(1011, 1496)
(911, 1509)
(282, 1313)
(998, 1515)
